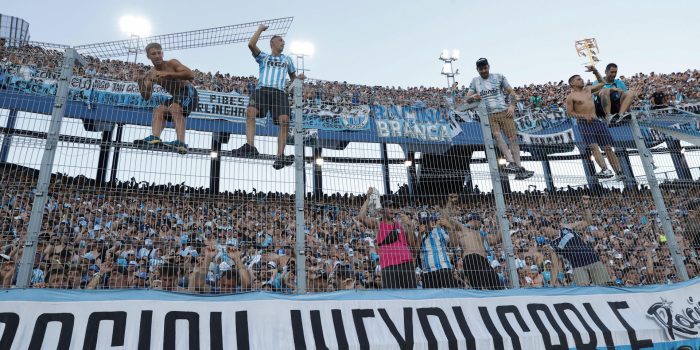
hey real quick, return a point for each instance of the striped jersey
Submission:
(274, 70)
(434, 250)
(492, 91)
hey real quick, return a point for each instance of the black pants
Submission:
(480, 273)
(440, 279)
(399, 276)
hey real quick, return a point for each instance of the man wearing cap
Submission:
(395, 256)
(489, 88)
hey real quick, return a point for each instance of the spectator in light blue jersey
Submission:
(270, 96)
(491, 88)
(615, 99)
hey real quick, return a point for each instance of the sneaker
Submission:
(247, 150)
(604, 174)
(627, 116)
(152, 140)
(612, 119)
(282, 161)
(512, 168)
(180, 147)
(524, 174)
(621, 177)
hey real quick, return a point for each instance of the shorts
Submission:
(595, 273)
(500, 121)
(615, 98)
(271, 100)
(480, 273)
(399, 276)
(187, 98)
(595, 132)
(440, 279)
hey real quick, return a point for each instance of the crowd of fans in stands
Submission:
(143, 236)
(678, 87)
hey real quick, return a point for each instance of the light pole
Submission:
(135, 27)
(448, 70)
(301, 49)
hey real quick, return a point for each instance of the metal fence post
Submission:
(42, 189)
(300, 247)
(503, 225)
(646, 157)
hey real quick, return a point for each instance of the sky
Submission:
(397, 43)
(387, 43)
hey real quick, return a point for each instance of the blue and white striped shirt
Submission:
(492, 91)
(274, 70)
(434, 250)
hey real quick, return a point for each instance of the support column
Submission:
(666, 224)
(215, 165)
(384, 155)
(7, 140)
(103, 159)
(26, 264)
(624, 158)
(679, 161)
(411, 175)
(115, 155)
(318, 173)
(547, 167)
(468, 181)
(588, 167)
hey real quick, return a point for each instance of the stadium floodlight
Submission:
(214, 155)
(135, 25)
(445, 55)
(408, 163)
(319, 161)
(502, 161)
(455, 54)
(301, 49)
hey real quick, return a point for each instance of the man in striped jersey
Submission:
(433, 240)
(490, 88)
(270, 96)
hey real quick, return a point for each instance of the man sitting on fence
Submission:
(176, 79)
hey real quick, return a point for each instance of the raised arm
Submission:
(243, 272)
(362, 216)
(253, 43)
(601, 81)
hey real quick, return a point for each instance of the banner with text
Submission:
(415, 122)
(661, 317)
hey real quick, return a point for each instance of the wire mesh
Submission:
(212, 211)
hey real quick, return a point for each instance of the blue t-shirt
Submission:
(571, 246)
(274, 70)
(617, 83)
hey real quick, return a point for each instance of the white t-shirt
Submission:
(492, 91)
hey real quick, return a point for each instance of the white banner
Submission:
(571, 318)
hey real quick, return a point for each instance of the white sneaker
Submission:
(604, 174)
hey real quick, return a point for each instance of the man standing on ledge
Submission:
(269, 96)
(490, 88)
(595, 134)
(176, 79)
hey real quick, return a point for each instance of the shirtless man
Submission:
(477, 268)
(176, 79)
(579, 104)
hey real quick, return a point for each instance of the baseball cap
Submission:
(534, 268)
(481, 62)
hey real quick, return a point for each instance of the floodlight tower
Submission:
(301, 49)
(448, 58)
(135, 27)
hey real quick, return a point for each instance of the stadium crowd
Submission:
(680, 87)
(136, 235)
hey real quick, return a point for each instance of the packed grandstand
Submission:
(141, 235)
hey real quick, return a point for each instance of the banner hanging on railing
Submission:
(661, 317)
(415, 122)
